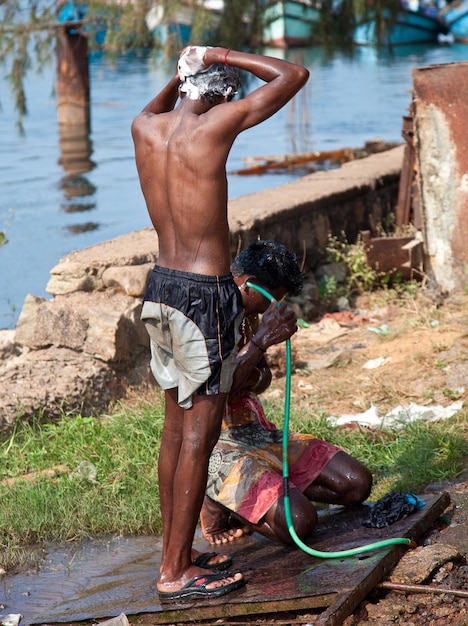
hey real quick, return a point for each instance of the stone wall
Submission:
(302, 214)
(84, 347)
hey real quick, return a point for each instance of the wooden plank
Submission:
(337, 585)
(279, 578)
(346, 603)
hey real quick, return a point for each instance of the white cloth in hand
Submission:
(191, 61)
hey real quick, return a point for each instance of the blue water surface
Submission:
(47, 213)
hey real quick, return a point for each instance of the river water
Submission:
(48, 211)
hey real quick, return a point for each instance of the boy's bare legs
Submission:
(344, 480)
(187, 441)
(274, 526)
(171, 442)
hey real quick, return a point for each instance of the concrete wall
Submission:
(358, 196)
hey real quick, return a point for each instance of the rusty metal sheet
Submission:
(440, 98)
(394, 256)
(279, 578)
(403, 209)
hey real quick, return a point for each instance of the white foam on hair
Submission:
(213, 81)
(190, 90)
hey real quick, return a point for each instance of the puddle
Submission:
(111, 572)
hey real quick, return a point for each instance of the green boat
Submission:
(289, 23)
(455, 17)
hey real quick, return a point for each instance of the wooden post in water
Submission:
(73, 101)
(73, 78)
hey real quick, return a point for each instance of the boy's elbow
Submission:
(303, 75)
(297, 78)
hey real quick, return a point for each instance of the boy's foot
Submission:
(211, 560)
(218, 525)
(203, 586)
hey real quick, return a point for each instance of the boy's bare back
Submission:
(181, 156)
(182, 167)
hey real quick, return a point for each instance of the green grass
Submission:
(120, 493)
(122, 498)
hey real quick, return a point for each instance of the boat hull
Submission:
(408, 27)
(289, 23)
(76, 12)
(455, 17)
(177, 27)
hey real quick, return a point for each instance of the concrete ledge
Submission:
(302, 214)
(361, 195)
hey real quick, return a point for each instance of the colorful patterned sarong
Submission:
(246, 473)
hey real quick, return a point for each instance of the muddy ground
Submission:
(424, 344)
(420, 354)
(422, 348)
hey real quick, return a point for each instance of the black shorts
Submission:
(193, 323)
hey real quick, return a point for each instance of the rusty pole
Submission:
(73, 104)
(403, 210)
(73, 99)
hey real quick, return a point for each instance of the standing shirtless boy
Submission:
(192, 306)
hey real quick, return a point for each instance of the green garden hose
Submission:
(287, 505)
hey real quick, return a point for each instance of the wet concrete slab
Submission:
(102, 579)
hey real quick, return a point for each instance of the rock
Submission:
(417, 565)
(69, 277)
(7, 344)
(305, 305)
(130, 280)
(55, 380)
(43, 323)
(107, 326)
(337, 271)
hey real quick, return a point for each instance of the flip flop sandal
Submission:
(203, 558)
(196, 588)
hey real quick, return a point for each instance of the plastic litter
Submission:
(12, 619)
(381, 330)
(375, 363)
(399, 416)
(391, 508)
